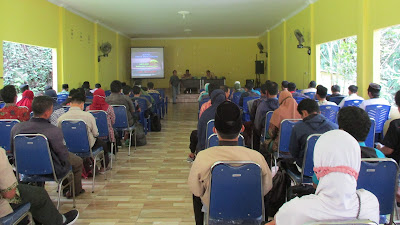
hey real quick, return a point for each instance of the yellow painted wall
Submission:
(230, 57)
(76, 40)
(277, 54)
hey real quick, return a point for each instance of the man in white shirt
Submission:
(311, 88)
(374, 91)
(321, 96)
(353, 95)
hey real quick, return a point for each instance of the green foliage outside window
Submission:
(27, 64)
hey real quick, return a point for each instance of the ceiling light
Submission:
(184, 13)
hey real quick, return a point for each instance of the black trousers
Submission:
(198, 214)
(100, 143)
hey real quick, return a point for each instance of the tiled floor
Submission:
(150, 186)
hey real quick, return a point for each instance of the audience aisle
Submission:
(150, 186)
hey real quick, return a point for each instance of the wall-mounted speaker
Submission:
(260, 67)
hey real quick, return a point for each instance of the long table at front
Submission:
(199, 83)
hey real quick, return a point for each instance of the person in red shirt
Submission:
(11, 110)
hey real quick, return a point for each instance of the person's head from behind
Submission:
(353, 89)
(97, 85)
(116, 86)
(374, 90)
(150, 85)
(211, 88)
(78, 100)
(65, 87)
(136, 90)
(312, 84)
(249, 86)
(9, 94)
(226, 90)
(335, 89)
(126, 90)
(187, 71)
(42, 107)
(321, 92)
(307, 107)
(86, 85)
(174, 72)
(264, 88)
(272, 89)
(397, 100)
(228, 121)
(354, 121)
(285, 84)
(23, 88)
(291, 87)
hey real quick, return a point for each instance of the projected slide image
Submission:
(147, 64)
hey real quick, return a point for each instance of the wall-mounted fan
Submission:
(261, 47)
(105, 48)
(300, 38)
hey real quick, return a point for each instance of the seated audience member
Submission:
(352, 95)
(292, 89)
(13, 195)
(187, 75)
(337, 164)
(99, 103)
(313, 123)
(228, 124)
(174, 83)
(57, 109)
(86, 87)
(65, 89)
(284, 85)
(321, 96)
(143, 92)
(311, 88)
(335, 89)
(204, 94)
(76, 112)
(248, 93)
(27, 98)
(150, 86)
(136, 95)
(42, 107)
(23, 88)
(217, 97)
(206, 105)
(357, 123)
(11, 110)
(374, 91)
(237, 87)
(269, 104)
(257, 102)
(227, 90)
(287, 110)
(117, 99)
(209, 75)
(96, 86)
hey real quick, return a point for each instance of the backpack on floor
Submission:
(87, 169)
(276, 197)
(155, 122)
(140, 136)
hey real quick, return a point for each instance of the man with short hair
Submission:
(150, 86)
(65, 89)
(136, 95)
(228, 125)
(248, 92)
(374, 92)
(257, 102)
(312, 123)
(86, 87)
(284, 85)
(23, 88)
(57, 109)
(292, 89)
(42, 107)
(117, 99)
(311, 87)
(174, 82)
(209, 75)
(322, 92)
(187, 75)
(353, 91)
(11, 110)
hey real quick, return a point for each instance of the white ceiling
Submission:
(208, 18)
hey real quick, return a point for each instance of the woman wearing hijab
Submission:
(204, 93)
(287, 110)
(99, 103)
(336, 164)
(27, 98)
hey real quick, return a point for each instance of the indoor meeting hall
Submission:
(184, 112)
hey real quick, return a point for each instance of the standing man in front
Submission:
(174, 82)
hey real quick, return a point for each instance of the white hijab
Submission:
(337, 158)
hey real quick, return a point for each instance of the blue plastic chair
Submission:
(102, 126)
(370, 141)
(18, 215)
(356, 103)
(158, 104)
(5, 130)
(214, 141)
(268, 116)
(209, 129)
(336, 99)
(145, 121)
(330, 112)
(380, 177)
(246, 110)
(380, 113)
(2, 104)
(299, 90)
(308, 162)
(122, 123)
(61, 98)
(164, 100)
(284, 137)
(311, 95)
(236, 193)
(236, 97)
(34, 162)
(298, 99)
(89, 97)
(77, 141)
(108, 93)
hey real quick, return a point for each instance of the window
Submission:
(27, 64)
(389, 68)
(338, 63)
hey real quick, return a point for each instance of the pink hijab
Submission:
(27, 98)
(287, 109)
